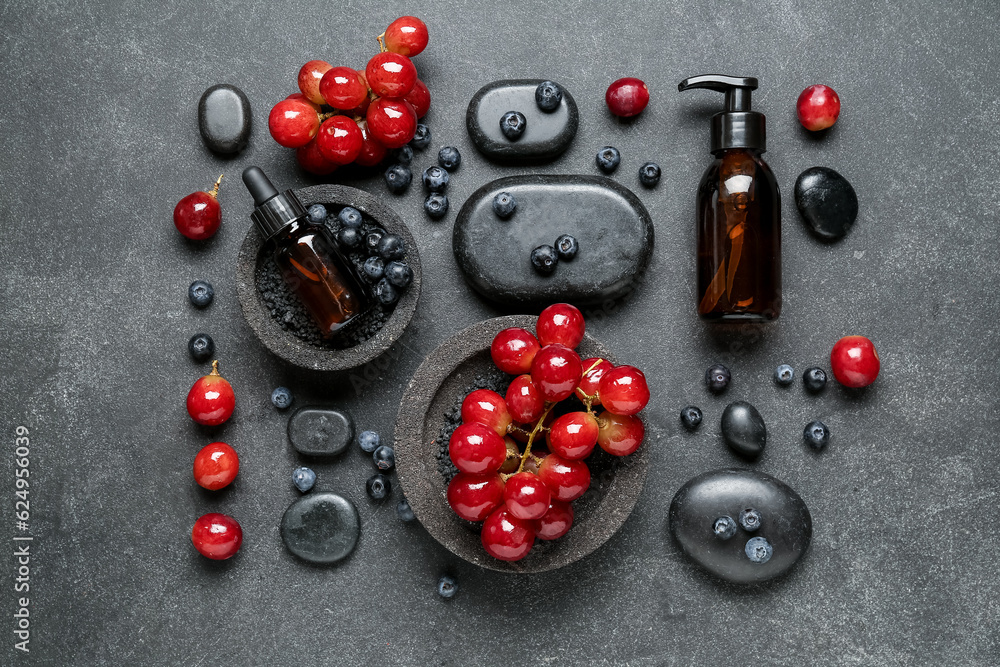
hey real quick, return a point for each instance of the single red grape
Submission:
(573, 435)
(560, 323)
(309, 77)
(311, 159)
(211, 399)
(488, 408)
(342, 88)
(372, 152)
(818, 107)
(293, 122)
(199, 215)
(594, 369)
(506, 537)
(567, 480)
(216, 465)
(407, 35)
(627, 97)
(854, 361)
(526, 497)
(623, 390)
(513, 350)
(390, 75)
(556, 370)
(556, 522)
(474, 497)
(620, 434)
(392, 122)
(477, 449)
(340, 140)
(217, 536)
(524, 402)
(420, 98)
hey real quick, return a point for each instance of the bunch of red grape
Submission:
(344, 115)
(521, 494)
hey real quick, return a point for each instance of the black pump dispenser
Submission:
(273, 211)
(736, 126)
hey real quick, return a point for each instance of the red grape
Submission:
(342, 88)
(372, 152)
(215, 466)
(506, 537)
(526, 497)
(513, 350)
(293, 122)
(211, 400)
(309, 77)
(627, 97)
(390, 75)
(560, 323)
(620, 434)
(311, 159)
(217, 536)
(420, 98)
(854, 361)
(407, 35)
(556, 522)
(573, 435)
(818, 107)
(556, 370)
(199, 215)
(524, 401)
(567, 480)
(340, 140)
(486, 407)
(474, 497)
(392, 122)
(591, 379)
(477, 449)
(623, 390)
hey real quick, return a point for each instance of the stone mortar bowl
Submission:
(286, 344)
(438, 386)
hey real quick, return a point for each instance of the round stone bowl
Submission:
(439, 385)
(286, 344)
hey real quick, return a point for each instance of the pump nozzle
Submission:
(737, 126)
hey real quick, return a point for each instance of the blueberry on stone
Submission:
(817, 434)
(724, 527)
(814, 379)
(399, 274)
(750, 520)
(608, 159)
(758, 550)
(378, 486)
(350, 217)
(548, 95)
(504, 205)
(691, 417)
(544, 258)
(449, 158)
(404, 155)
(435, 179)
(373, 269)
(384, 458)
(200, 293)
(372, 240)
(421, 137)
(649, 174)
(513, 124)
(436, 205)
(717, 377)
(391, 247)
(386, 293)
(368, 441)
(349, 237)
(281, 398)
(397, 178)
(303, 478)
(567, 247)
(447, 587)
(784, 374)
(317, 213)
(404, 511)
(201, 346)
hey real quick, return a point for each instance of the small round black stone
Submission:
(827, 202)
(321, 527)
(224, 119)
(743, 429)
(320, 431)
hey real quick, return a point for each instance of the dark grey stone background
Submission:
(98, 141)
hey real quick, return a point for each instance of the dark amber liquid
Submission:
(320, 276)
(739, 239)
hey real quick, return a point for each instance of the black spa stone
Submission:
(224, 119)
(547, 133)
(743, 430)
(786, 523)
(606, 219)
(321, 527)
(827, 202)
(320, 431)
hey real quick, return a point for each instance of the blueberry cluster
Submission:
(379, 486)
(545, 257)
(757, 548)
(435, 179)
(398, 176)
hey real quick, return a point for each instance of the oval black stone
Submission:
(613, 230)
(321, 527)
(785, 523)
(320, 431)
(546, 135)
(827, 202)
(224, 119)
(743, 429)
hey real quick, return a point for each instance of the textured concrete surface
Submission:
(99, 139)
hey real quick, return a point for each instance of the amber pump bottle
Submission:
(738, 212)
(306, 255)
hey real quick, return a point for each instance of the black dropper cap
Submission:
(274, 211)
(736, 126)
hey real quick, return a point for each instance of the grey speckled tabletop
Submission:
(98, 140)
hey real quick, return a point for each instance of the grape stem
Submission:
(531, 437)
(215, 362)
(381, 43)
(214, 192)
(585, 398)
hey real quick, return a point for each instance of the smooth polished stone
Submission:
(224, 119)
(320, 431)
(743, 430)
(827, 202)
(321, 527)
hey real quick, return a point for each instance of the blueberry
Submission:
(435, 179)
(544, 258)
(447, 587)
(814, 379)
(750, 520)
(350, 217)
(513, 124)
(391, 247)
(548, 95)
(404, 511)
(372, 239)
(649, 174)
(201, 346)
(608, 159)
(200, 293)
(281, 398)
(378, 486)
(404, 155)
(724, 527)
(386, 293)
(421, 138)
(691, 417)
(349, 237)
(303, 478)
(436, 205)
(384, 458)
(317, 213)
(504, 205)
(397, 178)
(567, 247)
(784, 374)
(717, 377)
(368, 441)
(449, 158)
(758, 550)
(374, 269)
(817, 434)
(399, 274)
